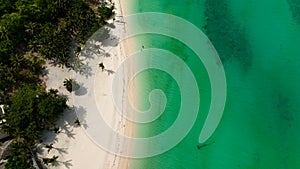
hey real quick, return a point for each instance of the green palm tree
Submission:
(51, 161)
(17, 61)
(49, 147)
(77, 122)
(71, 85)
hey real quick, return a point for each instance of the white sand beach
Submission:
(73, 145)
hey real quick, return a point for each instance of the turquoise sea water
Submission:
(259, 44)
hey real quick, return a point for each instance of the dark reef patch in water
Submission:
(283, 108)
(295, 9)
(226, 35)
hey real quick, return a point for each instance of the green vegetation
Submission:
(77, 122)
(19, 156)
(34, 30)
(71, 85)
(56, 130)
(51, 161)
(105, 12)
(31, 32)
(49, 147)
(33, 110)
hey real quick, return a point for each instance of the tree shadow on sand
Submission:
(111, 41)
(94, 48)
(64, 125)
(82, 67)
(111, 25)
(49, 137)
(109, 72)
(67, 163)
(81, 91)
(68, 131)
(74, 114)
(81, 115)
(61, 151)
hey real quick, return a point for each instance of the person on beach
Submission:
(101, 65)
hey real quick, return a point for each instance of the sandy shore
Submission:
(73, 145)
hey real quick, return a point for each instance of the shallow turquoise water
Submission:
(258, 42)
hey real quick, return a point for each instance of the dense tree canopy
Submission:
(43, 29)
(32, 31)
(6, 6)
(20, 156)
(32, 110)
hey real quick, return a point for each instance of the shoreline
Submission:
(123, 126)
(73, 145)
